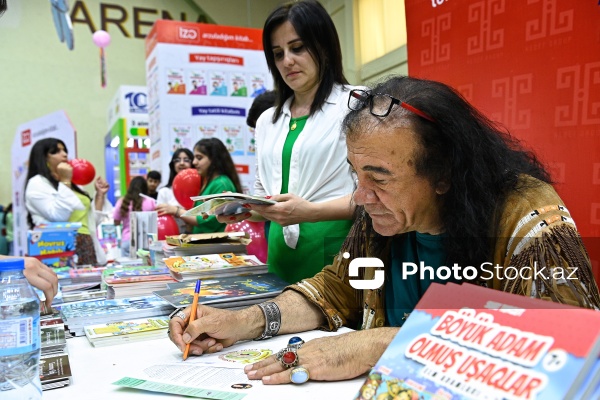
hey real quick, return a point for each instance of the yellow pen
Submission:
(193, 315)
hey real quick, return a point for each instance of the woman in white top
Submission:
(50, 196)
(181, 159)
(301, 151)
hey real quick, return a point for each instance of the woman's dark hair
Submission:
(477, 158)
(137, 186)
(317, 31)
(177, 154)
(38, 165)
(220, 160)
(7, 210)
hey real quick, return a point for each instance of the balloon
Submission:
(256, 231)
(83, 171)
(101, 38)
(186, 184)
(167, 226)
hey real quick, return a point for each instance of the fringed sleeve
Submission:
(542, 253)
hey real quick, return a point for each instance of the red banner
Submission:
(534, 66)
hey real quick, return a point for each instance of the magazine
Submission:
(469, 342)
(227, 290)
(225, 204)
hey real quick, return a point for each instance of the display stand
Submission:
(127, 142)
(201, 80)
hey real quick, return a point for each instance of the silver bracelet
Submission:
(272, 320)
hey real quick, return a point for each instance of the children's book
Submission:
(132, 275)
(228, 290)
(127, 331)
(78, 315)
(225, 204)
(213, 265)
(469, 342)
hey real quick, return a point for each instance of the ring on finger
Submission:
(289, 357)
(180, 314)
(299, 375)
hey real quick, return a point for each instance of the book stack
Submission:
(55, 369)
(127, 331)
(228, 292)
(77, 279)
(205, 266)
(134, 281)
(206, 243)
(79, 315)
(469, 342)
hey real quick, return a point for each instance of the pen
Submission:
(192, 315)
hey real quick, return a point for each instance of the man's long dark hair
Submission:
(38, 165)
(479, 160)
(177, 154)
(137, 186)
(221, 162)
(317, 31)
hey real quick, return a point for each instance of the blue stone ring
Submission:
(299, 375)
(295, 342)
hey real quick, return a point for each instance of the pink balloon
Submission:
(256, 231)
(101, 38)
(167, 226)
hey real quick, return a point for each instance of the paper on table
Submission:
(209, 376)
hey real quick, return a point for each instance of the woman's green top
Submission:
(318, 243)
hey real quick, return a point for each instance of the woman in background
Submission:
(214, 164)
(50, 196)
(132, 201)
(182, 159)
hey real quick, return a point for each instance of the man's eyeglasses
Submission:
(178, 160)
(380, 105)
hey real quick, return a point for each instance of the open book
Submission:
(225, 204)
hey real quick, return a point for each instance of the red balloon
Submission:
(186, 184)
(83, 171)
(167, 226)
(256, 231)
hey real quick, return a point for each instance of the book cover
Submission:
(144, 273)
(469, 342)
(221, 290)
(225, 204)
(55, 370)
(209, 263)
(52, 338)
(127, 330)
(97, 309)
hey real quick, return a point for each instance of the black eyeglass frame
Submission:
(365, 96)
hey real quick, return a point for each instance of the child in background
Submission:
(153, 179)
(132, 201)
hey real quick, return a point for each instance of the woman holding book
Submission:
(132, 201)
(214, 164)
(51, 196)
(300, 150)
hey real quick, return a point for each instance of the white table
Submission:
(95, 369)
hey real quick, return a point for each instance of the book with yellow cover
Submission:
(128, 330)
